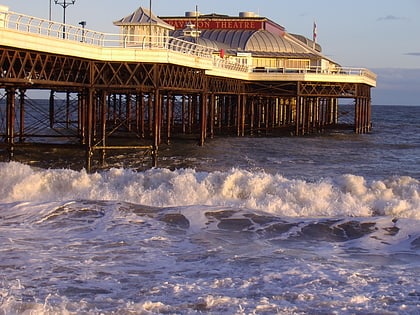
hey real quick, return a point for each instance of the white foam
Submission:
(346, 195)
(139, 264)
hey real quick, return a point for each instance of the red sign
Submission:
(224, 24)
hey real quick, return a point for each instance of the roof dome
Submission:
(268, 42)
(198, 40)
(308, 42)
(235, 39)
(255, 40)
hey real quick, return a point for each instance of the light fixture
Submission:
(64, 4)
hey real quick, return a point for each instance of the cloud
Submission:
(397, 86)
(416, 54)
(399, 78)
(390, 17)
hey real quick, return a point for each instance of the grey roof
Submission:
(143, 16)
(235, 39)
(266, 41)
(201, 40)
(256, 41)
(280, 54)
(307, 41)
(259, 43)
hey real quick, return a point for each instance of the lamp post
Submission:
(83, 24)
(64, 4)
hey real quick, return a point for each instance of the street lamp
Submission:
(64, 5)
(49, 11)
(83, 24)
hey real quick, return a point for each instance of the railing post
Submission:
(4, 12)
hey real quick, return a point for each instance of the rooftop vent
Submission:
(247, 14)
(192, 13)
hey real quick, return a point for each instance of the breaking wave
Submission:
(346, 195)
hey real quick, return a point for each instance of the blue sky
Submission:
(381, 35)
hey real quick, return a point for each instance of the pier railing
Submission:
(345, 71)
(29, 24)
(44, 27)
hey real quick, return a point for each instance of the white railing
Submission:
(33, 25)
(347, 71)
(44, 27)
(28, 24)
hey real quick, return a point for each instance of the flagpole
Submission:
(150, 23)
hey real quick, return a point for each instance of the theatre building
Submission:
(252, 40)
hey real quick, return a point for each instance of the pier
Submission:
(162, 77)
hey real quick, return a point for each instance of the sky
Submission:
(381, 35)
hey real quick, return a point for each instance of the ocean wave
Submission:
(208, 224)
(93, 256)
(345, 195)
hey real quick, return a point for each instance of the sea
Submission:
(319, 224)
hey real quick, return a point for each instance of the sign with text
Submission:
(234, 24)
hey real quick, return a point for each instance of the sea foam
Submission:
(345, 195)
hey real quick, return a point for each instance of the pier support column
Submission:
(212, 114)
(369, 113)
(140, 114)
(243, 114)
(52, 109)
(219, 108)
(10, 121)
(366, 106)
(362, 116)
(156, 126)
(150, 113)
(298, 118)
(238, 115)
(358, 116)
(191, 103)
(82, 116)
(169, 112)
(22, 115)
(104, 111)
(183, 111)
(252, 116)
(67, 110)
(128, 111)
(203, 118)
(89, 129)
(266, 115)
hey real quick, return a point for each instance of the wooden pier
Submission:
(118, 92)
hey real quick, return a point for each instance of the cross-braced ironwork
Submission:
(102, 100)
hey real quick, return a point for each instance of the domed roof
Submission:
(198, 40)
(235, 39)
(201, 40)
(255, 41)
(268, 42)
(307, 42)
